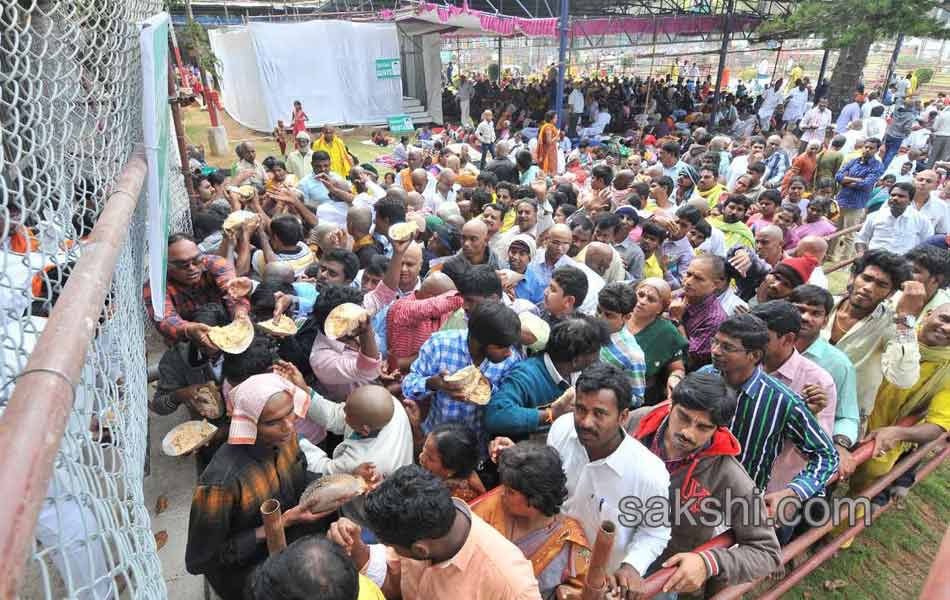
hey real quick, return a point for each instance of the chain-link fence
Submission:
(70, 117)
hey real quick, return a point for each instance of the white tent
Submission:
(342, 72)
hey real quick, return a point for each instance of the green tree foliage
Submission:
(852, 26)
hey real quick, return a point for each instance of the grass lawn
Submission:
(197, 122)
(891, 559)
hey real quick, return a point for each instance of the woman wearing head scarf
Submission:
(664, 348)
(261, 460)
(685, 185)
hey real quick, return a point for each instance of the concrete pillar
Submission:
(218, 141)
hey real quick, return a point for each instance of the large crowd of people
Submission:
(652, 317)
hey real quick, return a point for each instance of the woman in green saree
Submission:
(664, 348)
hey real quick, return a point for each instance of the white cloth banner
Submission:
(241, 89)
(330, 66)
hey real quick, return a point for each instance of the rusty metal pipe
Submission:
(273, 526)
(32, 426)
(827, 551)
(173, 101)
(937, 584)
(596, 581)
(803, 542)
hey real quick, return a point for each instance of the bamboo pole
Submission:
(597, 574)
(273, 526)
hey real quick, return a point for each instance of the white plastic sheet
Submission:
(330, 66)
(241, 89)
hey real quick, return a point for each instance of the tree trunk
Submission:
(847, 73)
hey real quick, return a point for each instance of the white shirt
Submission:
(882, 230)
(918, 138)
(714, 244)
(867, 107)
(390, 449)
(433, 198)
(576, 101)
(942, 123)
(937, 211)
(597, 490)
(874, 127)
(851, 137)
(819, 120)
(485, 132)
(737, 168)
(770, 99)
(902, 86)
(818, 278)
(729, 302)
(797, 100)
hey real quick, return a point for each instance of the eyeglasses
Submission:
(725, 347)
(184, 264)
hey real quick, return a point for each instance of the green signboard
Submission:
(387, 68)
(401, 124)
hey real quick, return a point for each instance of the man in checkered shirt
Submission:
(493, 329)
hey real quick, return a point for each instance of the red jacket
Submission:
(714, 472)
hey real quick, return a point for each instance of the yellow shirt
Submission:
(651, 268)
(369, 590)
(340, 161)
(509, 220)
(887, 406)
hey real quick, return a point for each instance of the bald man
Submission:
(442, 192)
(598, 257)
(359, 223)
(375, 430)
(414, 318)
(420, 180)
(539, 272)
(927, 201)
(475, 249)
(414, 201)
(817, 247)
(749, 270)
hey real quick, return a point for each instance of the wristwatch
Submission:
(842, 441)
(908, 321)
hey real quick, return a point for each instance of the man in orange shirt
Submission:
(435, 547)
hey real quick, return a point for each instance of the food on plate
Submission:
(344, 320)
(477, 388)
(282, 325)
(233, 338)
(239, 287)
(330, 491)
(400, 232)
(239, 218)
(187, 437)
(207, 401)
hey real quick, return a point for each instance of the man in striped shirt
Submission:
(768, 413)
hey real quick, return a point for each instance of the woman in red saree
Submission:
(546, 151)
(525, 509)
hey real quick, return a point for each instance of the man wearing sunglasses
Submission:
(194, 279)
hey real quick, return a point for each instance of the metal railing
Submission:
(35, 418)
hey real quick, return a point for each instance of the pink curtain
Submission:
(504, 25)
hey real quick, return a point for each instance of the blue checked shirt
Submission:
(857, 196)
(448, 351)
